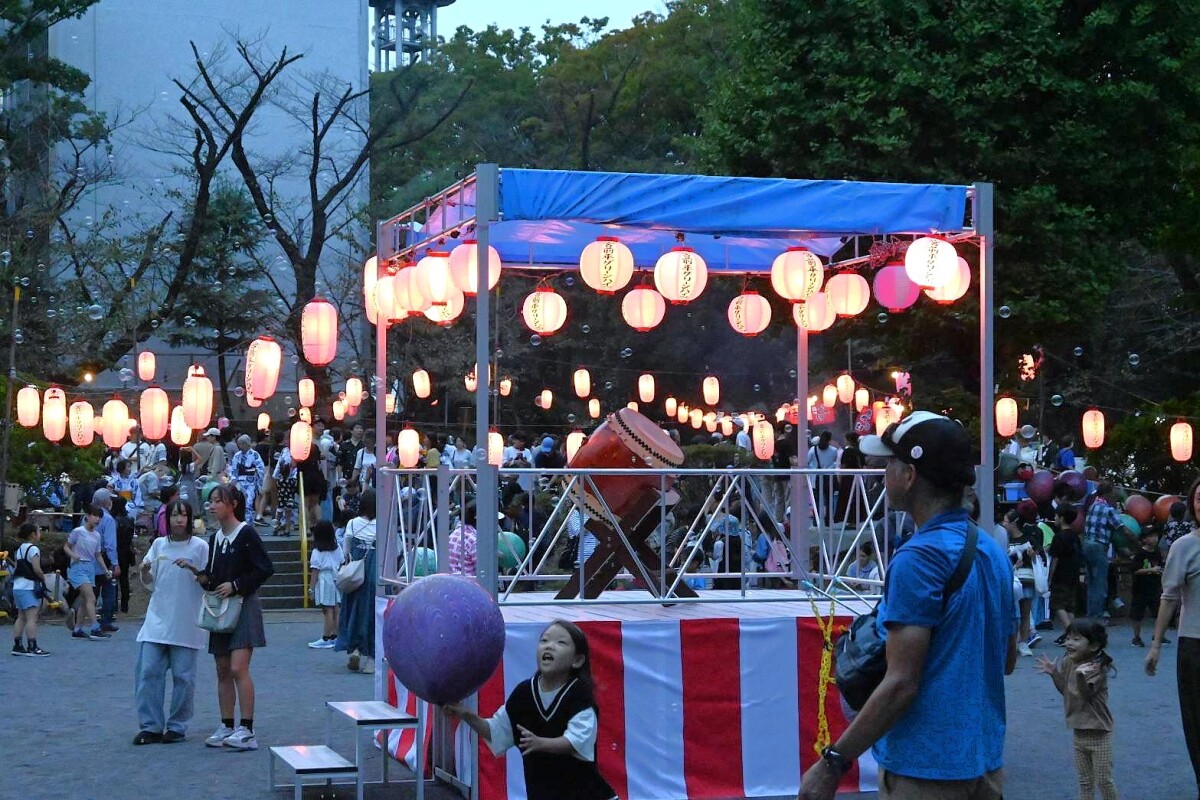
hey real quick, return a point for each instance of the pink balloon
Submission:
(1040, 487)
(1075, 481)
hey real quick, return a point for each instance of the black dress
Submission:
(551, 776)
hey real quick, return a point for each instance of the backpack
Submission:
(860, 654)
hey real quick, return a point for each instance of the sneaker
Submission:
(109, 628)
(79, 636)
(1034, 638)
(19, 650)
(36, 652)
(321, 644)
(147, 737)
(241, 739)
(99, 637)
(219, 736)
(171, 737)
(1137, 642)
(1023, 649)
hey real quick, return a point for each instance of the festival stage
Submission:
(697, 700)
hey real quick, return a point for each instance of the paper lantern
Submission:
(829, 396)
(547, 398)
(670, 405)
(264, 421)
(433, 277)
(464, 267)
(505, 386)
(387, 306)
(389, 403)
(643, 309)
(116, 422)
(154, 411)
(797, 274)
(955, 287)
(862, 399)
(198, 399)
(646, 388)
(696, 418)
(710, 422)
(606, 265)
(318, 333)
(749, 313)
(354, 391)
(680, 275)
(544, 311)
(421, 384)
(1181, 441)
(306, 389)
(495, 448)
(781, 413)
(893, 289)
(594, 408)
(97, 424)
(883, 418)
(1006, 416)
(583, 382)
(29, 407)
(252, 401)
(712, 390)
(407, 291)
(633, 406)
(896, 409)
(339, 410)
(848, 293)
(305, 415)
(470, 382)
(81, 418)
(815, 314)
(574, 442)
(264, 357)
(1093, 428)
(145, 365)
(54, 414)
(181, 434)
(408, 448)
(845, 387)
(448, 312)
(681, 413)
(300, 440)
(763, 437)
(370, 278)
(726, 426)
(931, 262)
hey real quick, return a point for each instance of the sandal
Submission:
(353, 663)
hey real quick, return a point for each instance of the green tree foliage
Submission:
(1137, 448)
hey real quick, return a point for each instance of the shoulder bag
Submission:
(860, 654)
(351, 575)
(218, 614)
(24, 569)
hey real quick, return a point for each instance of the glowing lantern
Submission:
(848, 293)
(845, 387)
(883, 418)
(263, 360)
(154, 411)
(116, 422)
(181, 434)
(300, 440)
(727, 426)
(470, 382)
(407, 291)
(643, 309)
(1006, 416)
(495, 448)
(749, 313)
(696, 418)
(145, 365)
(893, 289)
(264, 421)
(318, 332)
(670, 405)
(307, 390)
(370, 278)
(446, 313)
(1181, 441)
(544, 311)
(633, 406)
(82, 419)
(389, 403)
(408, 448)
(339, 410)
(421, 384)
(198, 399)
(547, 398)
(797, 274)
(931, 262)
(505, 386)
(433, 277)
(54, 414)
(583, 382)
(29, 407)
(252, 401)
(763, 437)
(680, 275)
(712, 390)
(862, 399)
(897, 409)
(954, 288)
(646, 388)
(464, 267)
(710, 422)
(385, 304)
(594, 408)
(815, 314)
(681, 413)
(574, 442)
(305, 415)
(354, 391)
(829, 396)
(781, 413)
(1093, 428)
(97, 424)
(606, 265)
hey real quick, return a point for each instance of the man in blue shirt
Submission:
(936, 721)
(107, 586)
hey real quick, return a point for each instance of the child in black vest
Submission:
(552, 717)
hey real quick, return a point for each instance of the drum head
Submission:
(646, 439)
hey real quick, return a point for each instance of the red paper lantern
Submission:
(606, 265)
(1006, 416)
(264, 357)
(145, 365)
(464, 267)
(1093, 428)
(544, 311)
(955, 287)
(893, 288)
(154, 412)
(318, 333)
(29, 407)
(797, 274)
(680, 275)
(1181, 441)
(749, 313)
(82, 420)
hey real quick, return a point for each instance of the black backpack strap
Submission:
(965, 563)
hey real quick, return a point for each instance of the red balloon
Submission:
(1075, 482)
(1024, 472)
(1040, 487)
(1162, 508)
(1139, 508)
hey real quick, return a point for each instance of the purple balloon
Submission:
(443, 637)
(1040, 487)
(1074, 481)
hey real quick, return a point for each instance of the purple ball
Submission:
(1074, 481)
(1040, 487)
(443, 637)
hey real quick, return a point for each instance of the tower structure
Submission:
(404, 31)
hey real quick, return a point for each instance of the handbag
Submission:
(1041, 575)
(860, 654)
(24, 569)
(218, 614)
(351, 575)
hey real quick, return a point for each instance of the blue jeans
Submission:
(1095, 560)
(151, 686)
(108, 600)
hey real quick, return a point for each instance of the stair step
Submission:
(280, 603)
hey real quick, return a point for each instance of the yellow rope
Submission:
(823, 739)
(303, 514)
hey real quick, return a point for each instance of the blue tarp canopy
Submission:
(547, 217)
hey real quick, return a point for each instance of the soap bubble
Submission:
(586, 329)
(295, 359)
(757, 387)
(608, 386)
(1078, 352)
(95, 313)
(239, 391)
(5, 257)
(126, 375)
(154, 323)
(18, 336)
(792, 374)
(1056, 400)
(287, 401)
(627, 352)
(51, 313)
(354, 366)
(480, 455)
(499, 354)
(1004, 311)
(1134, 359)
(571, 418)
(883, 318)
(291, 412)
(535, 340)
(42, 268)
(569, 281)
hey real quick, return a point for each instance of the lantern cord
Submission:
(825, 678)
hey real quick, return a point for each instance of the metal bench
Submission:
(369, 716)
(310, 761)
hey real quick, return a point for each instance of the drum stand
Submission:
(612, 553)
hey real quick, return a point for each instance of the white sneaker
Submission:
(241, 739)
(1023, 649)
(319, 644)
(219, 736)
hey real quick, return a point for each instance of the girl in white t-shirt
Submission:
(169, 638)
(28, 575)
(323, 565)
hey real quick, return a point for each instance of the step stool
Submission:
(310, 761)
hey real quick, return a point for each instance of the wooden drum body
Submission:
(625, 440)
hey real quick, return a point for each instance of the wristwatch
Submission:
(835, 761)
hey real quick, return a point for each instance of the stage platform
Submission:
(714, 603)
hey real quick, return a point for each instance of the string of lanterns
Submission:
(1092, 424)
